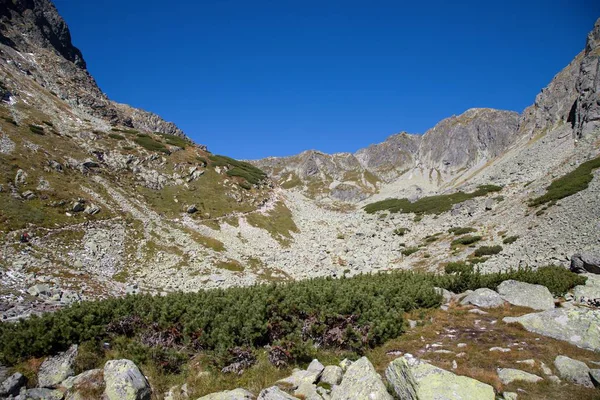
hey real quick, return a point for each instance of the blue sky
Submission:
(257, 78)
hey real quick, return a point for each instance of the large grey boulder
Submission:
(586, 262)
(361, 381)
(573, 370)
(332, 375)
(414, 379)
(310, 376)
(576, 325)
(56, 369)
(524, 294)
(274, 393)
(44, 394)
(483, 297)
(589, 291)
(307, 391)
(509, 375)
(12, 385)
(124, 381)
(236, 394)
(80, 387)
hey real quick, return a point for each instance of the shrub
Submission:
(249, 172)
(431, 204)
(10, 121)
(174, 140)
(461, 231)
(458, 267)
(150, 144)
(38, 130)
(466, 240)
(510, 239)
(116, 136)
(487, 250)
(409, 250)
(568, 184)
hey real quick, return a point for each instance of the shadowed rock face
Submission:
(35, 41)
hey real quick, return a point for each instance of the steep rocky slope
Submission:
(117, 200)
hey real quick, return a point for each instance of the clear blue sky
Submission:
(257, 78)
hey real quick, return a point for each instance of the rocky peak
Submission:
(37, 24)
(585, 115)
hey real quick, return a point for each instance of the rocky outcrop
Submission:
(413, 379)
(12, 385)
(124, 381)
(361, 382)
(577, 325)
(586, 262)
(586, 110)
(574, 371)
(56, 369)
(483, 297)
(524, 294)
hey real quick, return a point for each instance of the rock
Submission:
(589, 291)
(509, 375)
(573, 370)
(81, 378)
(28, 195)
(595, 375)
(361, 382)
(236, 394)
(576, 325)
(56, 369)
(489, 204)
(485, 298)
(20, 177)
(39, 290)
(307, 391)
(191, 209)
(413, 379)
(89, 163)
(332, 375)
(316, 367)
(274, 393)
(500, 349)
(345, 364)
(12, 385)
(44, 394)
(80, 387)
(124, 381)
(524, 294)
(412, 324)
(78, 206)
(310, 375)
(586, 262)
(446, 294)
(92, 209)
(510, 396)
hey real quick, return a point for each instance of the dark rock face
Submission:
(587, 106)
(586, 262)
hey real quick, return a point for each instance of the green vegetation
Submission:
(351, 314)
(569, 184)
(401, 231)
(431, 204)
(278, 222)
(10, 120)
(409, 250)
(38, 130)
(466, 240)
(116, 136)
(150, 144)
(487, 251)
(249, 172)
(174, 140)
(230, 265)
(510, 239)
(130, 131)
(461, 231)
(50, 124)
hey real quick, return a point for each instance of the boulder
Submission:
(586, 262)
(595, 375)
(524, 294)
(332, 375)
(84, 377)
(78, 206)
(310, 376)
(307, 391)
(39, 290)
(589, 291)
(446, 294)
(345, 364)
(191, 209)
(12, 385)
(44, 394)
(316, 367)
(573, 370)
(124, 381)
(92, 209)
(274, 393)
(361, 382)
(236, 394)
(413, 379)
(576, 325)
(509, 375)
(56, 369)
(85, 385)
(28, 195)
(485, 298)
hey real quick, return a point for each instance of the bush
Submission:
(249, 172)
(459, 267)
(569, 184)
(116, 136)
(510, 239)
(38, 130)
(10, 120)
(466, 240)
(409, 250)
(174, 140)
(461, 231)
(150, 144)
(431, 204)
(487, 250)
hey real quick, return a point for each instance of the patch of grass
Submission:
(409, 250)
(278, 222)
(174, 140)
(38, 130)
(569, 184)
(461, 231)
(116, 136)
(150, 144)
(10, 120)
(466, 240)
(487, 251)
(230, 265)
(431, 204)
(510, 239)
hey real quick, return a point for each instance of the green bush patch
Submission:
(466, 240)
(461, 231)
(174, 140)
(10, 120)
(150, 144)
(409, 250)
(116, 136)
(431, 204)
(38, 130)
(487, 251)
(249, 172)
(510, 239)
(569, 184)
